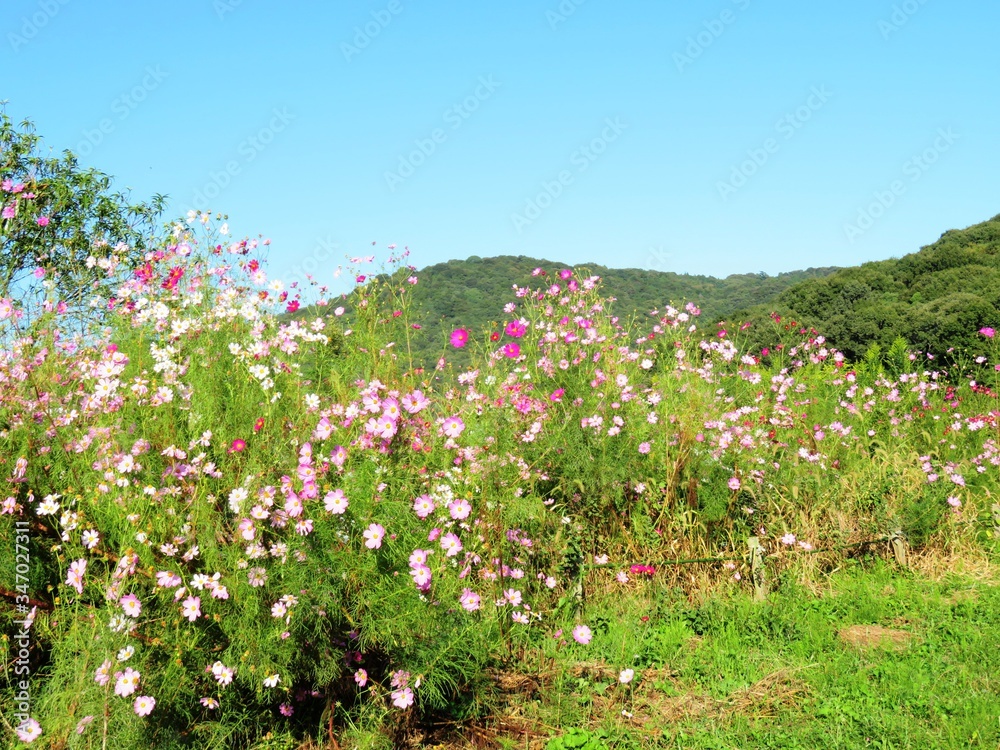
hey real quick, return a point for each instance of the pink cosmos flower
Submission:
(423, 506)
(361, 677)
(415, 402)
(74, 577)
(788, 539)
(644, 448)
(421, 577)
(126, 682)
(103, 674)
(402, 698)
(131, 605)
(336, 502)
(374, 535)
(734, 483)
(29, 730)
(420, 557)
(42, 221)
(987, 331)
(223, 674)
(286, 708)
(168, 580)
(460, 509)
(82, 725)
(451, 544)
(453, 427)
(459, 338)
(144, 705)
(470, 600)
(209, 703)
(338, 455)
(626, 676)
(191, 609)
(582, 634)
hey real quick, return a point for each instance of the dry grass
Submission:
(652, 708)
(873, 636)
(941, 563)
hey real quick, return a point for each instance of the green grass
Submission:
(730, 672)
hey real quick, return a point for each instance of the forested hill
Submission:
(471, 293)
(935, 299)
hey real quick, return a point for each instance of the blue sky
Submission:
(717, 137)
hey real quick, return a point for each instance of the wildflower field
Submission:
(243, 515)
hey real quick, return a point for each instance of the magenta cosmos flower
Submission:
(515, 329)
(459, 338)
(988, 332)
(512, 350)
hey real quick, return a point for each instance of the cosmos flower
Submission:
(470, 600)
(126, 682)
(582, 634)
(144, 705)
(402, 698)
(459, 338)
(453, 427)
(373, 536)
(29, 730)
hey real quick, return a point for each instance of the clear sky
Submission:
(717, 137)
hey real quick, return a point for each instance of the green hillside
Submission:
(936, 299)
(471, 293)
